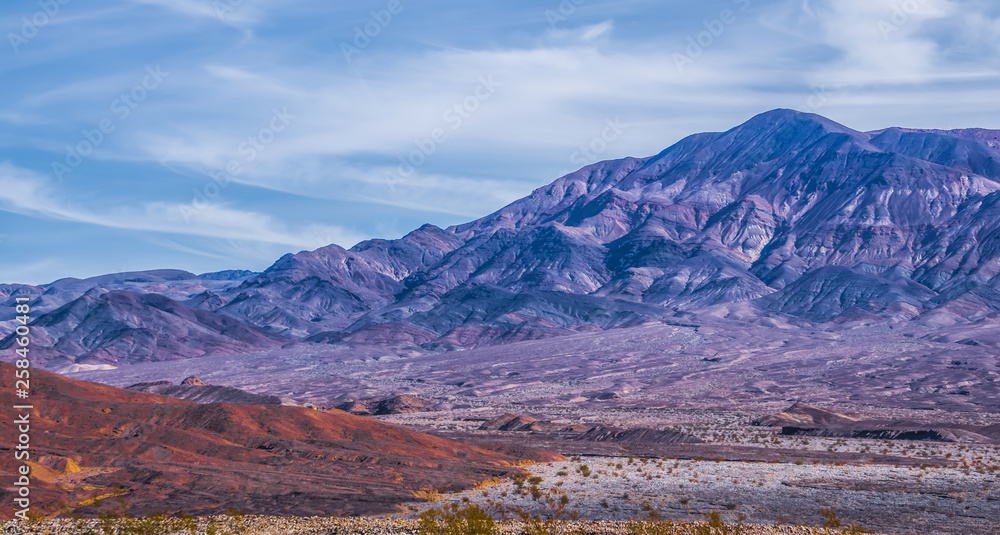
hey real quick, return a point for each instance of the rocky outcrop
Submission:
(193, 389)
(892, 431)
(804, 420)
(404, 404)
(522, 423)
(801, 414)
(637, 437)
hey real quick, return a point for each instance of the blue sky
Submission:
(220, 134)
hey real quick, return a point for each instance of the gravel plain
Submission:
(602, 494)
(884, 498)
(358, 526)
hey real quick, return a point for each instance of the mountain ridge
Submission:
(789, 213)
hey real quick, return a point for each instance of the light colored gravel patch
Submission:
(884, 498)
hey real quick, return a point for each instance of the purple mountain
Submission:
(788, 216)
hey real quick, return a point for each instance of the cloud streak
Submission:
(25, 192)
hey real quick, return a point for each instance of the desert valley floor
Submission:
(929, 466)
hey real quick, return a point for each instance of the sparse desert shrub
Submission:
(429, 494)
(712, 526)
(456, 520)
(715, 526)
(107, 522)
(715, 520)
(156, 524)
(549, 521)
(830, 516)
(654, 527)
(186, 522)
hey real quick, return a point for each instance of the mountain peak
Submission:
(782, 114)
(785, 118)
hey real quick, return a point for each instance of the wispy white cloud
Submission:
(239, 13)
(544, 105)
(25, 192)
(582, 34)
(352, 126)
(880, 42)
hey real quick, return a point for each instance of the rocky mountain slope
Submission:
(788, 218)
(193, 389)
(165, 454)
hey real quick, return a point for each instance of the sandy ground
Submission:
(882, 498)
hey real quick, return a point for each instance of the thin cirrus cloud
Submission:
(25, 192)
(888, 42)
(342, 169)
(533, 111)
(237, 13)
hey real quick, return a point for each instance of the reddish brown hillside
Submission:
(172, 455)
